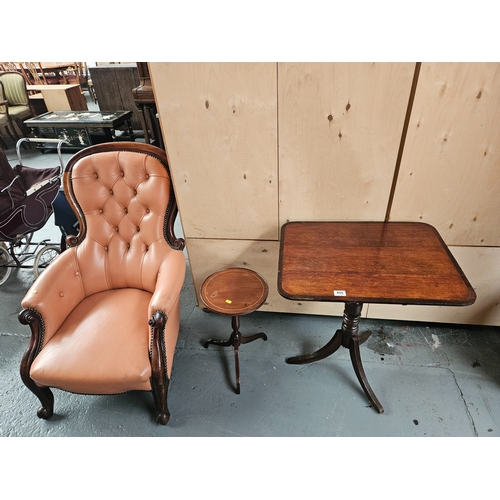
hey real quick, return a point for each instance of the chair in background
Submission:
(74, 74)
(36, 74)
(16, 94)
(5, 121)
(105, 314)
(11, 66)
(31, 74)
(79, 73)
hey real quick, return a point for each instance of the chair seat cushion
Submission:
(19, 112)
(101, 348)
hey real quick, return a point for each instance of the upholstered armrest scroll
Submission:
(56, 292)
(169, 283)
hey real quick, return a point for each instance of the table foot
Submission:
(251, 338)
(349, 338)
(363, 337)
(223, 343)
(322, 353)
(360, 373)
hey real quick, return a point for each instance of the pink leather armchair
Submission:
(105, 314)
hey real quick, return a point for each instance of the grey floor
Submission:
(433, 380)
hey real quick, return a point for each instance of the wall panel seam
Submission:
(404, 132)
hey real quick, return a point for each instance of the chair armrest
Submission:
(56, 292)
(169, 283)
(5, 110)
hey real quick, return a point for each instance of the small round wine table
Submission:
(234, 292)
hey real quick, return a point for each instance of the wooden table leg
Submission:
(237, 365)
(348, 336)
(360, 373)
(328, 349)
(236, 339)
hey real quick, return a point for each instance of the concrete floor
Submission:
(432, 379)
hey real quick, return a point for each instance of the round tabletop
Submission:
(234, 291)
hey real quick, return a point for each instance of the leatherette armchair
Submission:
(105, 314)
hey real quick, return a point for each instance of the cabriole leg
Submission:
(44, 394)
(159, 379)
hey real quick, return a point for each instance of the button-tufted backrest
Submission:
(123, 197)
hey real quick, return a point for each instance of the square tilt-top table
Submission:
(367, 262)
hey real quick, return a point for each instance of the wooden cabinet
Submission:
(253, 145)
(113, 85)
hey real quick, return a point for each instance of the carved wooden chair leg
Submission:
(44, 394)
(159, 379)
(160, 391)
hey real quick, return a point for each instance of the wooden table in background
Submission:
(61, 97)
(367, 262)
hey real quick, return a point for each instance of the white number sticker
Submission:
(339, 293)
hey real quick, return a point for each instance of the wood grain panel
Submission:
(207, 256)
(219, 122)
(113, 86)
(450, 170)
(481, 265)
(340, 127)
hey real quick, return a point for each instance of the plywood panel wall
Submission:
(450, 170)
(340, 127)
(219, 122)
(253, 145)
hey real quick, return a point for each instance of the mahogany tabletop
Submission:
(234, 291)
(373, 262)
